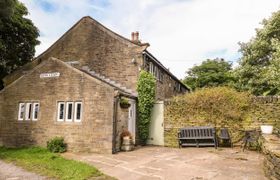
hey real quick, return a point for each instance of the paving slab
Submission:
(163, 163)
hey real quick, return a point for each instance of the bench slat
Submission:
(197, 134)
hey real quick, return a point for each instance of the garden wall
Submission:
(263, 110)
(271, 151)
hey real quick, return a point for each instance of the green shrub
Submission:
(146, 96)
(124, 102)
(56, 145)
(218, 107)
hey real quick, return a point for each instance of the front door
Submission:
(132, 118)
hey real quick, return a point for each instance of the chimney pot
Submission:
(132, 36)
(136, 37)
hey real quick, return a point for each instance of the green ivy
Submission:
(146, 97)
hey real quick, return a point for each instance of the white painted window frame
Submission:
(19, 111)
(151, 68)
(34, 110)
(58, 111)
(28, 110)
(75, 112)
(67, 111)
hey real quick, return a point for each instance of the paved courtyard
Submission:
(170, 164)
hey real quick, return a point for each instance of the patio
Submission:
(154, 162)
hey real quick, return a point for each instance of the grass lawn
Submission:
(43, 162)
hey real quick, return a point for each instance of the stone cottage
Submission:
(74, 88)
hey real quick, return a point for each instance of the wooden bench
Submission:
(197, 136)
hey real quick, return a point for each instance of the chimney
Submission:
(132, 36)
(136, 36)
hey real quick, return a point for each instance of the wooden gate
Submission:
(156, 133)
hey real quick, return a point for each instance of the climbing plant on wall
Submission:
(146, 96)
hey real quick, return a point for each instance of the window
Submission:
(28, 109)
(60, 110)
(78, 112)
(69, 111)
(161, 76)
(155, 71)
(151, 68)
(35, 111)
(21, 111)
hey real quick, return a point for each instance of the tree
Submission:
(260, 58)
(210, 73)
(18, 37)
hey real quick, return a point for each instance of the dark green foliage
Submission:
(56, 145)
(210, 73)
(259, 66)
(18, 37)
(146, 96)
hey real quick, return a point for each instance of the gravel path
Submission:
(9, 171)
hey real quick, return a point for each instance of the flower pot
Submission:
(267, 129)
(127, 144)
(125, 105)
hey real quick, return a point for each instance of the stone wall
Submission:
(265, 110)
(92, 134)
(271, 151)
(106, 53)
(1, 116)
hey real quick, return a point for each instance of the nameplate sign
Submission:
(49, 75)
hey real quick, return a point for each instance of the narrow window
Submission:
(28, 111)
(35, 111)
(155, 71)
(161, 76)
(21, 111)
(151, 68)
(60, 111)
(78, 111)
(69, 111)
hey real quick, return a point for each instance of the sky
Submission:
(182, 33)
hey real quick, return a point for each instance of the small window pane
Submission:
(69, 111)
(35, 111)
(21, 111)
(78, 111)
(28, 111)
(60, 111)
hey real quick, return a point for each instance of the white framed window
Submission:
(35, 111)
(21, 109)
(69, 111)
(60, 111)
(78, 112)
(151, 68)
(28, 110)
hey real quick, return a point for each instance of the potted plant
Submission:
(266, 128)
(124, 103)
(127, 144)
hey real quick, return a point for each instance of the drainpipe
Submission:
(115, 115)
